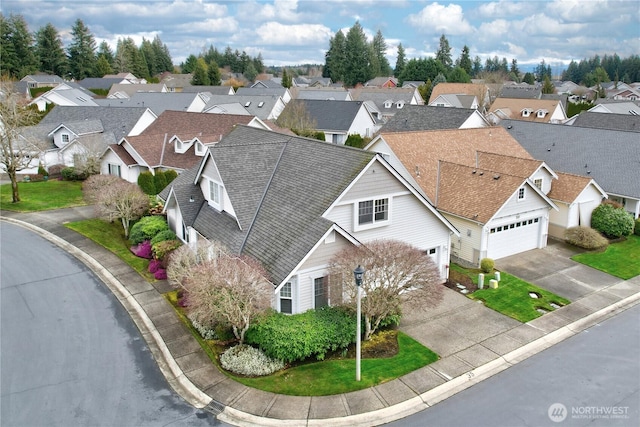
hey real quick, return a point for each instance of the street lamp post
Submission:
(357, 274)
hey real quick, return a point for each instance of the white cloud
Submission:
(275, 33)
(506, 9)
(440, 19)
(205, 27)
(542, 25)
(281, 10)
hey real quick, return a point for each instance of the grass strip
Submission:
(620, 259)
(42, 195)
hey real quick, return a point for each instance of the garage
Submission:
(513, 238)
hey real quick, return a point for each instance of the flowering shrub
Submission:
(143, 250)
(154, 265)
(246, 360)
(160, 274)
(205, 332)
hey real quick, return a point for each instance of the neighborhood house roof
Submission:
(568, 187)
(424, 117)
(612, 121)
(331, 114)
(279, 187)
(610, 157)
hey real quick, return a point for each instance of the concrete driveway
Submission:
(552, 269)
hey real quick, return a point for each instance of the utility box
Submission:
(480, 281)
(493, 284)
(498, 276)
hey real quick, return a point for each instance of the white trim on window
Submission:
(538, 183)
(215, 194)
(521, 193)
(114, 169)
(285, 302)
(372, 213)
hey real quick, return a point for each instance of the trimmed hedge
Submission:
(162, 236)
(612, 221)
(147, 228)
(636, 230)
(146, 183)
(313, 333)
(153, 184)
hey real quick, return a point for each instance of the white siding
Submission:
(469, 245)
(362, 124)
(559, 220)
(531, 202)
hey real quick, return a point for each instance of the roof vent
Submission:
(496, 176)
(473, 172)
(481, 173)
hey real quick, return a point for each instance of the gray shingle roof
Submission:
(610, 121)
(610, 157)
(158, 102)
(423, 117)
(260, 106)
(331, 114)
(99, 82)
(119, 121)
(279, 187)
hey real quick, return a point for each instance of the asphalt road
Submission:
(70, 354)
(591, 379)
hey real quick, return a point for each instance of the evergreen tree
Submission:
(200, 74)
(514, 67)
(104, 51)
(82, 52)
(464, 61)
(444, 52)
(400, 61)
(547, 86)
(148, 53)
(459, 75)
(286, 78)
(379, 53)
(357, 57)
(335, 58)
(477, 67)
(250, 72)
(50, 52)
(215, 78)
(189, 65)
(162, 56)
(129, 59)
(18, 46)
(529, 78)
(103, 67)
(258, 63)
(542, 70)
(440, 78)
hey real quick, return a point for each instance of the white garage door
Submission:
(513, 238)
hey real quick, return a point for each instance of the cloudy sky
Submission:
(289, 32)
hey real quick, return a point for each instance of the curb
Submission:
(167, 364)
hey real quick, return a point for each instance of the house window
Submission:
(373, 211)
(185, 233)
(114, 169)
(541, 114)
(399, 105)
(387, 104)
(320, 292)
(526, 113)
(286, 300)
(65, 137)
(521, 193)
(537, 183)
(215, 191)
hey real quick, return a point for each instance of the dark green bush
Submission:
(147, 228)
(146, 183)
(170, 175)
(71, 174)
(313, 333)
(612, 221)
(42, 171)
(636, 230)
(159, 181)
(162, 236)
(486, 265)
(585, 237)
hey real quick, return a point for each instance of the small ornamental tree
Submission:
(395, 273)
(121, 200)
(222, 288)
(612, 220)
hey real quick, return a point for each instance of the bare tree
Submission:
(16, 151)
(296, 117)
(396, 273)
(86, 158)
(222, 288)
(92, 187)
(118, 199)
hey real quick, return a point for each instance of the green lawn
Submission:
(512, 298)
(111, 236)
(43, 195)
(621, 259)
(330, 376)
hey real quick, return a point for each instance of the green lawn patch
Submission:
(620, 259)
(513, 298)
(43, 195)
(111, 236)
(332, 376)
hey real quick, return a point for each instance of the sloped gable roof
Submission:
(568, 187)
(331, 114)
(82, 127)
(473, 193)
(480, 91)
(420, 152)
(517, 166)
(188, 125)
(279, 187)
(513, 107)
(425, 117)
(610, 157)
(122, 154)
(612, 121)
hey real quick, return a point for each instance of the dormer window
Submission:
(65, 138)
(387, 104)
(537, 183)
(215, 195)
(541, 113)
(200, 148)
(400, 104)
(526, 112)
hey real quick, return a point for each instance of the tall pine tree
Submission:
(50, 52)
(82, 52)
(357, 62)
(379, 50)
(401, 61)
(444, 52)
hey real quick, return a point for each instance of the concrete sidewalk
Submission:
(474, 342)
